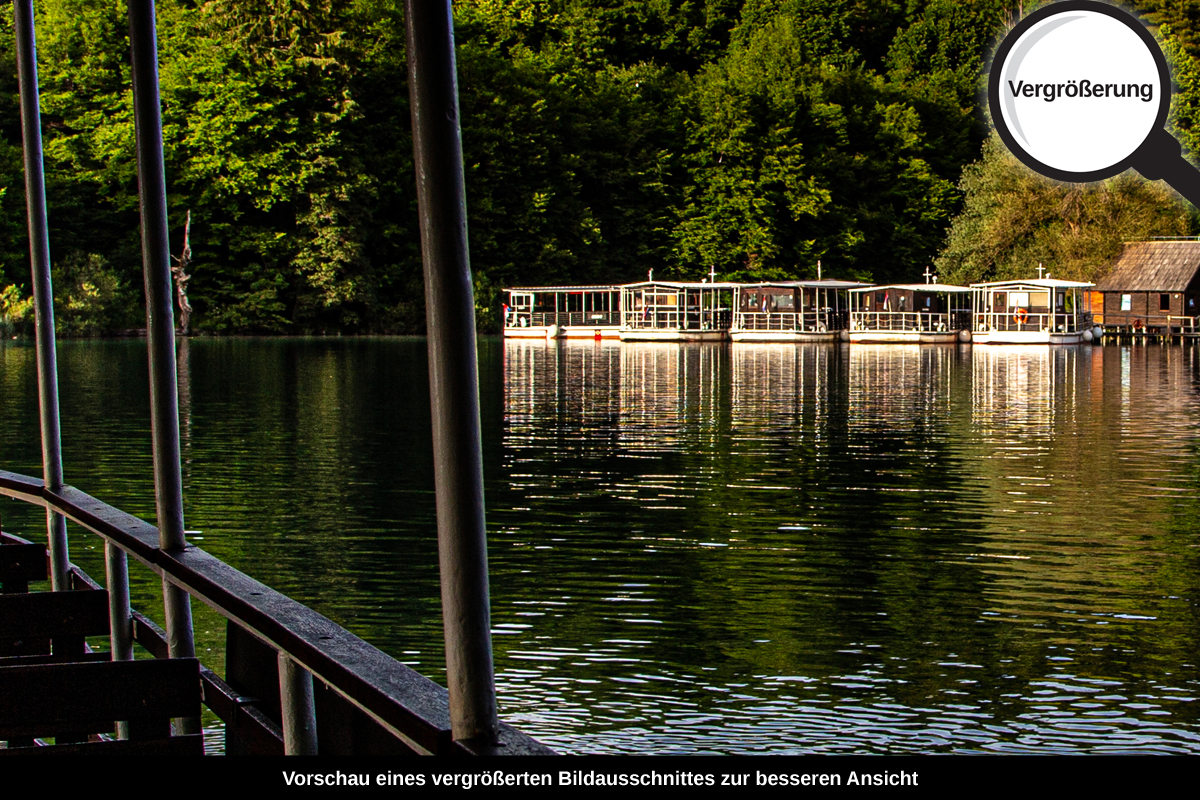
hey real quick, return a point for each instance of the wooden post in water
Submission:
(160, 320)
(453, 370)
(43, 291)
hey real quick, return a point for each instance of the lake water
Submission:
(707, 548)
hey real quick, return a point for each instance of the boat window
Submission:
(1164, 302)
(1126, 302)
(1018, 300)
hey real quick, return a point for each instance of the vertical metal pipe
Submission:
(43, 291)
(160, 319)
(299, 711)
(453, 369)
(116, 569)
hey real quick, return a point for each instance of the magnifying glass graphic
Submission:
(1079, 91)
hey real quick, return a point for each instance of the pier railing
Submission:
(1153, 325)
(362, 700)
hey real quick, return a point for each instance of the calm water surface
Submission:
(707, 548)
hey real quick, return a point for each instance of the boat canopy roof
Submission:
(681, 285)
(937, 288)
(1041, 283)
(821, 284)
(535, 289)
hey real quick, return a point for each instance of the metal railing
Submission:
(1059, 322)
(390, 707)
(672, 319)
(580, 319)
(358, 688)
(917, 321)
(798, 321)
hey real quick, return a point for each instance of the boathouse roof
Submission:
(1160, 266)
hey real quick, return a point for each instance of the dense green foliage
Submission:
(602, 139)
(1014, 220)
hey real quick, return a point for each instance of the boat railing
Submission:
(1033, 322)
(670, 318)
(920, 321)
(816, 321)
(574, 318)
(360, 699)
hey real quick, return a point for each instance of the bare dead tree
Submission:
(179, 271)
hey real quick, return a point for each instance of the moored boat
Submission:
(661, 311)
(913, 313)
(1037, 311)
(563, 312)
(791, 311)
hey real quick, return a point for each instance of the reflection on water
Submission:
(710, 548)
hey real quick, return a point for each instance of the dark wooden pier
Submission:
(295, 682)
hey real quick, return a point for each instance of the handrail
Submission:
(1010, 320)
(806, 321)
(406, 703)
(1185, 324)
(918, 321)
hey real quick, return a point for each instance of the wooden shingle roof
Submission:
(1153, 267)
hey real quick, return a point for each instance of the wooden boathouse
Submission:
(1153, 290)
(295, 682)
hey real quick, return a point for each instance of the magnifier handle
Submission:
(1161, 158)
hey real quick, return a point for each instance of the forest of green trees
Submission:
(602, 139)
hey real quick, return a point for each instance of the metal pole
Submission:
(160, 319)
(116, 569)
(299, 712)
(453, 369)
(43, 291)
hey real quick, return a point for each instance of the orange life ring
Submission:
(1020, 316)
(1138, 324)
